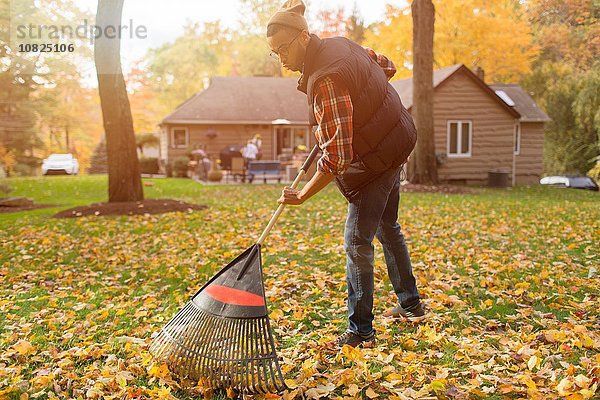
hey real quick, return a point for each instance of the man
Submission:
(257, 140)
(365, 135)
(249, 152)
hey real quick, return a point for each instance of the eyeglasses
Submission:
(284, 49)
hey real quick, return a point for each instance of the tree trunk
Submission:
(424, 168)
(124, 179)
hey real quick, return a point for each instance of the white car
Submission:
(576, 182)
(60, 164)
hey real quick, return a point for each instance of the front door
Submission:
(290, 140)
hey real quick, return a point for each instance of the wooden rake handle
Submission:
(301, 173)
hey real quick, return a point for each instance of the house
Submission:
(477, 127)
(233, 110)
(480, 128)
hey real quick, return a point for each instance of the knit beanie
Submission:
(290, 14)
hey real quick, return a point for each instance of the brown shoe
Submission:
(415, 313)
(353, 339)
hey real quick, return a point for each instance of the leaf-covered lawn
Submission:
(510, 278)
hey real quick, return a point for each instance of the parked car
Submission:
(60, 164)
(576, 182)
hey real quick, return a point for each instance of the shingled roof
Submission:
(261, 100)
(523, 103)
(404, 87)
(249, 100)
(524, 108)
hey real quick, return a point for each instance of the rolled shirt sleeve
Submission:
(385, 63)
(333, 113)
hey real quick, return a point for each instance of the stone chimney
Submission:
(480, 73)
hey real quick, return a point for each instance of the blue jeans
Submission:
(374, 212)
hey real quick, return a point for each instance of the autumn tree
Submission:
(44, 106)
(250, 45)
(30, 83)
(330, 22)
(157, 85)
(124, 179)
(69, 115)
(565, 81)
(355, 26)
(146, 98)
(495, 36)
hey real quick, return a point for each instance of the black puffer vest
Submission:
(384, 132)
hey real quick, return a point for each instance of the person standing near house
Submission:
(249, 152)
(257, 140)
(365, 135)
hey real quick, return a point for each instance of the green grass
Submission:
(98, 278)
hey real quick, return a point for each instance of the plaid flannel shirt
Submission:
(333, 112)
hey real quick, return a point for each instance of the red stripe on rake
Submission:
(233, 296)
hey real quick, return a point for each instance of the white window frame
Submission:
(517, 139)
(187, 138)
(459, 138)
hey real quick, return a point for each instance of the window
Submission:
(179, 138)
(517, 139)
(459, 138)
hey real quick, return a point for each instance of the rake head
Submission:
(222, 337)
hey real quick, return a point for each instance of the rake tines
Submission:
(222, 337)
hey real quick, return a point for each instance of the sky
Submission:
(164, 20)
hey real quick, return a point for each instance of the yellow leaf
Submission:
(563, 386)
(320, 391)
(162, 393)
(532, 362)
(506, 388)
(393, 377)
(438, 385)
(230, 393)
(276, 315)
(588, 342)
(353, 389)
(582, 381)
(371, 393)
(122, 378)
(159, 371)
(307, 367)
(588, 393)
(291, 383)
(5, 392)
(42, 381)
(121, 381)
(352, 353)
(526, 379)
(24, 348)
(575, 396)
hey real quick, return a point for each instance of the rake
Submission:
(222, 337)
